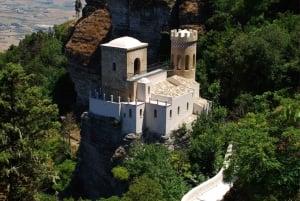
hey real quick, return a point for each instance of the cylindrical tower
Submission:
(183, 52)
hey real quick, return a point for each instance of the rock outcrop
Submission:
(144, 22)
(82, 50)
(188, 14)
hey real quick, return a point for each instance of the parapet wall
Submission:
(184, 35)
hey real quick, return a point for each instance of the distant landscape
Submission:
(21, 17)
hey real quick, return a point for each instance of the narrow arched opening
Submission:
(137, 66)
(187, 62)
(178, 62)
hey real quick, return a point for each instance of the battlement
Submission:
(184, 35)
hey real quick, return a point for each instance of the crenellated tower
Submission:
(183, 52)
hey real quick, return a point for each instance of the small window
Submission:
(141, 113)
(137, 66)
(178, 110)
(124, 115)
(130, 113)
(148, 90)
(170, 113)
(187, 106)
(114, 67)
(155, 113)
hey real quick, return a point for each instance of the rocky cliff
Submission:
(106, 20)
(100, 138)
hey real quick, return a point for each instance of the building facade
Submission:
(143, 100)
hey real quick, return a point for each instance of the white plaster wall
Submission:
(161, 98)
(196, 90)
(142, 91)
(133, 123)
(140, 114)
(177, 119)
(105, 108)
(158, 124)
(199, 108)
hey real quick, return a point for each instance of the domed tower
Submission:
(183, 52)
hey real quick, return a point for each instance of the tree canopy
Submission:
(27, 124)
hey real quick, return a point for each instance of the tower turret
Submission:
(183, 52)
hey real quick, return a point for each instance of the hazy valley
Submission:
(21, 17)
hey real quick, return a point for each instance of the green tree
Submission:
(64, 173)
(155, 162)
(208, 143)
(266, 157)
(245, 11)
(253, 59)
(120, 173)
(27, 123)
(112, 198)
(144, 188)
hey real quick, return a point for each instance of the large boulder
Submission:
(83, 52)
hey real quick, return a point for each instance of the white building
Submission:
(143, 100)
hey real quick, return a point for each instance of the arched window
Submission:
(187, 106)
(178, 62)
(137, 66)
(130, 113)
(170, 113)
(155, 113)
(141, 112)
(114, 66)
(194, 60)
(178, 110)
(187, 62)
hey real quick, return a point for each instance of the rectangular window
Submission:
(155, 113)
(130, 113)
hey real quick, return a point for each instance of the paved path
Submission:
(213, 189)
(215, 193)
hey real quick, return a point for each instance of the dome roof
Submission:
(125, 42)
